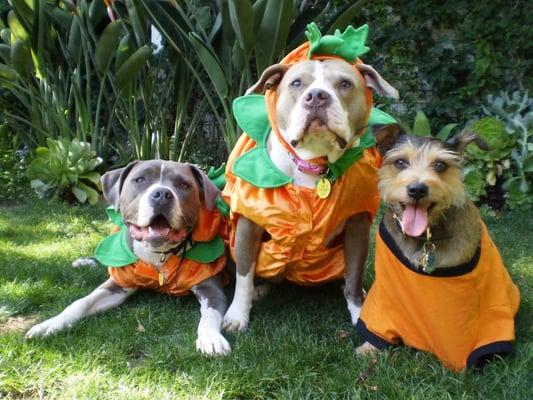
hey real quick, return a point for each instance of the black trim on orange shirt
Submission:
(480, 356)
(458, 270)
(371, 337)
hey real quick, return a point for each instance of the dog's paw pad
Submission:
(212, 343)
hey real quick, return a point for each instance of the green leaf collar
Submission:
(114, 251)
(256, 167)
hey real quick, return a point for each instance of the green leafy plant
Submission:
(516, 112)
(422, 127)
(242, 40)
(66, 169)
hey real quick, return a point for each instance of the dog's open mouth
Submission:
(415, 218)
(159, 229)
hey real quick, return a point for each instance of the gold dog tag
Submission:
(323, 188)
(161, 278)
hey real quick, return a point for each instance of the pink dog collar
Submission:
(308, 167)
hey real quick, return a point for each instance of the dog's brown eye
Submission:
(184, 186)
(401, 164)
(296, 83)
(440, 166)
(346, 84)
(140, 179)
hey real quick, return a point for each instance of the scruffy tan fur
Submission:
(453, 218)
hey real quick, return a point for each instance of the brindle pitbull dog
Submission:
(160, 203)
(321, 112)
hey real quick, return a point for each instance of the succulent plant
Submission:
(65, 168)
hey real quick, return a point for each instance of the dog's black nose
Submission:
(160, 196)
(417, 190)
(317, 98)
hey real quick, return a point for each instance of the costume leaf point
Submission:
(348, 45)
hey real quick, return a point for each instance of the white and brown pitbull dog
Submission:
(321, 112)
(160, 203)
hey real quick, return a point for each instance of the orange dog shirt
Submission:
(462, 314)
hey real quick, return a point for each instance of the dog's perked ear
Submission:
(374, 80)
(270, 78)
(113, 181)
(386, 136)
(208, 190)
(459, 142)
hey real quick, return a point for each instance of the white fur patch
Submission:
(238, 314)
(97, 301)
(210, 341)
(354, 310)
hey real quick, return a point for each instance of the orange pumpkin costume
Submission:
(204, 259)
(462, 314)
(297, 220)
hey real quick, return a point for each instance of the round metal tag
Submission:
(323, 188)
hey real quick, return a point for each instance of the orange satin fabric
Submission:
(180, 277)
(447, 316)
(297, 220)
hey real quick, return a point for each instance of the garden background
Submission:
(86, 86)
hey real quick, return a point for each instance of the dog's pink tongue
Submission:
(159, 228)
(415, 220)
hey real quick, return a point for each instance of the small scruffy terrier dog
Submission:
(440, 283)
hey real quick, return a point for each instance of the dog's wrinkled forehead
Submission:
(164, 173)
(321, 74)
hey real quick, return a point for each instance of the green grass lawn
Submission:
(300, 343)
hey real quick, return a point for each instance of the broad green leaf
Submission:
(124, 51)
(16, 28)
(92, 195)
(5, 53)
(132, 66)
(5, 34)
(444, 133)
(74, 40)
(7, 73)
(21, 58)
(272, 35)
(62, 18)
(84, 116)
(107, 45)
(97, 11)
(242, 20)
(259, 11)
(80, 194)
(421, 125)
(211, 65)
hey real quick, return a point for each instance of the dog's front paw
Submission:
(212, 343)
(235, 319)
(365, 349)
(46, 328)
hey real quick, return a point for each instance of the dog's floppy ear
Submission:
(113, 181)
(386, 136)
(459, 142)
(208, 189)
(270, 78)
(374, 80)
